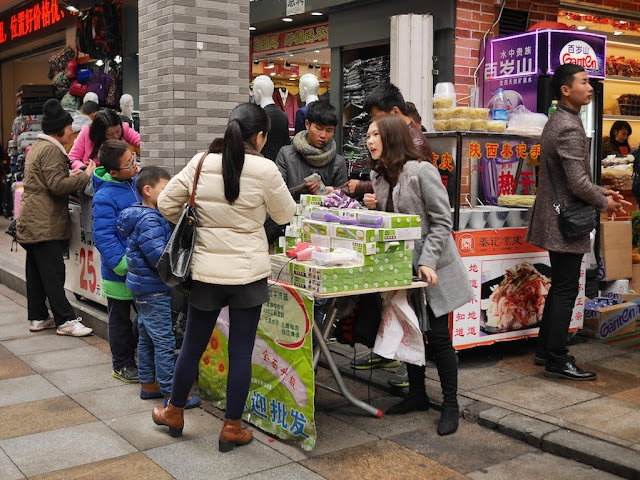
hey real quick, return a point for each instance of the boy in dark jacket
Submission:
(113, 184)
(148, 233)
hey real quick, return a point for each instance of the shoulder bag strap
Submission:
(554, 192)
(196, 177)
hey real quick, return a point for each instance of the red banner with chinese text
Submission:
(308, 36)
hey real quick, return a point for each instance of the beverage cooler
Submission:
(522, 65)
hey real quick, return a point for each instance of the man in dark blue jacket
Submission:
(113, 184)
(148, 233)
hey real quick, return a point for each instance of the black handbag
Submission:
(174, 265)
(575, 220)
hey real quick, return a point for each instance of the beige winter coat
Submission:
(231, 244)
(44, 211)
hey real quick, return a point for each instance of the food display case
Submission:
(491, 182)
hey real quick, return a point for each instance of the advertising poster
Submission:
(83, 266)
(499, 161)
(584, 49)
(511, 279)
(281, 395)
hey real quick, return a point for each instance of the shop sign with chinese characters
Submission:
(281, 394)
(29, 19)
(498, 162)
(313, 35)
(510, 279)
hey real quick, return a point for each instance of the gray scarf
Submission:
(316, 157)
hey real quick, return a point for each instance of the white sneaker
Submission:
(39, 325)
(74, 328)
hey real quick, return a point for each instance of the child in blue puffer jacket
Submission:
(148, 233)
(114, 187)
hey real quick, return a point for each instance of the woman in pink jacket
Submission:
(106, 126)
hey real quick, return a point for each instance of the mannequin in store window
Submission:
(126, 109)
(288, 103)
(308, 94)
(279, 134)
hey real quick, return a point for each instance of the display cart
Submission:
(510, 277)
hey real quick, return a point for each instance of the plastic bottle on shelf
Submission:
(499, 105)
(553, 107)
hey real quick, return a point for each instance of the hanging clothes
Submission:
(288, 105)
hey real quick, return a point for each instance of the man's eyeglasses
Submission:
(132, 163)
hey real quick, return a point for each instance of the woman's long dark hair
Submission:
(615, 128)
(397, 146)
(245, 121)
(98, 130)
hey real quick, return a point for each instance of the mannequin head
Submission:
(126, 105)
(263, 90)
(309, 88)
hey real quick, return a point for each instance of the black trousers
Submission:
(45, 273)
(123, 336)
(554, 329)
(440, 346)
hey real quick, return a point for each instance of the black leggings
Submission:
(243, 323)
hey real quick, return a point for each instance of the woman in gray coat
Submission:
(564, 156)
(403, 183)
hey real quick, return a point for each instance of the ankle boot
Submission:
(150, 390)
(172, 417)
(233, 434)
(417, 399)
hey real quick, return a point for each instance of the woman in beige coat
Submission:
(43, 226)
(230, 264)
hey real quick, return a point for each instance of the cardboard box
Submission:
(624, 297)
(611, 321)
(634, 284)
(615, 248)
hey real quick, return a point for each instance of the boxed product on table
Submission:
(388, 235)
(306, 199)
(326, 279)
(380, 219)
(352, 232)
(604, 318)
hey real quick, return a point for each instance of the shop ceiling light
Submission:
(315, 60)
(272, 74)
(271, 65)
(581, 27)
(316, 51)
(617, 32)
(287, 19)
(252, 28)
(72, 9)
(317, 14)
(99, 63)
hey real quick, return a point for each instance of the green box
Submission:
(315, 227)
(388, 235)
(366, 248)
(350, 232)
(306, 199)
(317, 240)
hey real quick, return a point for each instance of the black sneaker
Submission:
(128, 373)
(400, 379)
(373, 360)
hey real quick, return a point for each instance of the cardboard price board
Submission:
(511, 279)
(281, 394)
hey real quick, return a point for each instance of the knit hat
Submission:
(54, 117)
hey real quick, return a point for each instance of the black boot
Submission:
(417, 399)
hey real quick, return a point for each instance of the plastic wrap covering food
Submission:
(516, 200)
(612, 160)
(618, 177)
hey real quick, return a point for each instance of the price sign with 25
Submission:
(88, 278)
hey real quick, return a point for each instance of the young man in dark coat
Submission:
(564, 150)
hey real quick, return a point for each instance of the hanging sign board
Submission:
(294, 7)
(299, 38)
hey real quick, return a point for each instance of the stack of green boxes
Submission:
(385, 254)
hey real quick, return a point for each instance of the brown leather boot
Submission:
(172, 417)
(233, 434)
(150, 390)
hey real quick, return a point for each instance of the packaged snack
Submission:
(442, 102)
(441, 125)
(478, 126)
(443, 114)
(496, 126)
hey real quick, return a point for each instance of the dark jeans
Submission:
(45, 273)
(243, 324)
(122, 332)
(156, 342)
(554, 329)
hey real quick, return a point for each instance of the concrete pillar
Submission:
(194, 63)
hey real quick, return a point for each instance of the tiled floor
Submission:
(63, 416)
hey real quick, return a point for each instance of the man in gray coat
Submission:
(564, 155)
(313, 151)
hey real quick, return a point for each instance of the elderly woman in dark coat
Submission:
(565, 156)
(403, 183)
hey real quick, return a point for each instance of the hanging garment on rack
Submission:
(290, 108)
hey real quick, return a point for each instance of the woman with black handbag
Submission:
(565, 211)
(230, 264)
